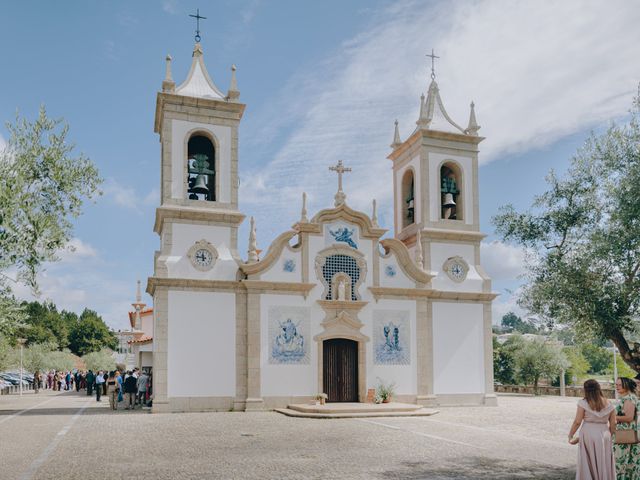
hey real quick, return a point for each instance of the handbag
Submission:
(626, 436)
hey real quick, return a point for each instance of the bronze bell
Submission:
(200, 185)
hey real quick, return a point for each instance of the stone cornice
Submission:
(344, 212)
(445, 234)
(253, 286)
(409, 267)
(435, 134)
(164, 213)
(275, 249)
(258, 286)
(181, 100)
(386, 292)
(340, 305)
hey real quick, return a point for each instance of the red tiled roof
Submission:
(142, 339)
(143, 312)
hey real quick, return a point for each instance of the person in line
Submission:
(91, 378)
(596, 418)
(627, 454)
(112, 390)
(50, 380)
(121, 383)
(130, 391)
(36, 381)
(141, 383)
(99, 384)
(104, 384)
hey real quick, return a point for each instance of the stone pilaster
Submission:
(424, 336)
(160, 349)
(254, 394)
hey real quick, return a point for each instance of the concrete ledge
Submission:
(352, 410)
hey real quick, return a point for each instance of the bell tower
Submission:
(435, 175)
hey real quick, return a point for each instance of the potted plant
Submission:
(321, 397)
(384, 391)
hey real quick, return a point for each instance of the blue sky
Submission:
(322, 81)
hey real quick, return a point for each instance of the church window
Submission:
(201, 168)
(408, 202)
(450, 191)
(341, 263)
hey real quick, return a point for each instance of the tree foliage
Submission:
(513, 323)
(42, 187)
(578, 364)
(90, 334)
(538, 358)
(583, 237)
(102, 360)
(598, 358)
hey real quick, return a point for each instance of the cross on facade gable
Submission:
(198, 17)
(433, 70)
(339, 169)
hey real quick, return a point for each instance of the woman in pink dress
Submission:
(598, 419)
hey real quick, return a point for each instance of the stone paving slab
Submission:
(71, 436)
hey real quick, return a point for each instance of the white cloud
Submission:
(537, 71)
(152, 199)
(121, 195)
(77, 250)
(501, 261)
(505, 303)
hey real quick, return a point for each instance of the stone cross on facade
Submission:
(340, 197)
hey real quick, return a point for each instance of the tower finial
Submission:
(233, 94)
(168, 85)
(396, 137)
(374, 215)
(253, 249)
(473, 127)
(418, 253)
(303, 214)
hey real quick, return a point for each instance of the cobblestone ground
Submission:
(71, 436)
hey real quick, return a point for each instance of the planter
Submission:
(322, 401)
(386, 400)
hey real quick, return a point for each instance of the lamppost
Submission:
(21, 341)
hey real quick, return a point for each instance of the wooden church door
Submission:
(340, 370)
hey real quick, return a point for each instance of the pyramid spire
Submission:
(303, 213)
(374, 215)
(233, 94)
(198, 82)
(253, 249)
(473, 127)
(396, 137)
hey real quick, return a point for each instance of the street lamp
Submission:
(21, 341)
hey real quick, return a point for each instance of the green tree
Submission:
(598, 358)
(539, 358)
(7, 355)
(578, 364)
(12, 314)
(504, 363)
(90, 334)
(38, 357)
(63, 361)
(583, 234)
(513, 323)
(102, 360)
(621, 366)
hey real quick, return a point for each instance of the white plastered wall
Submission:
(399, 280)
(185, 236)
(277, 272)
(404, 376)
(179, 130)
(458, 351)
(435, 162)
(282, 379)
(440, 252)
(201, 344)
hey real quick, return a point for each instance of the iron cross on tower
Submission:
(433, 69)
(198, 17)
(339, 169)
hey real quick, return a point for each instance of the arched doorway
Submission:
(340, 369)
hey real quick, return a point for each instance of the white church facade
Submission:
(336, 304)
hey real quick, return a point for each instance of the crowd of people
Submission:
(608, 438)
(134, 388)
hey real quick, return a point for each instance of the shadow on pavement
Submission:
(474, 468)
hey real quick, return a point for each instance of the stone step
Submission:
(348, 407)
(365, 413)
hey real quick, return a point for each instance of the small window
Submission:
(450, 190)
(201, 169)
(408, 199)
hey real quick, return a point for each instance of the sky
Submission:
(322, 81)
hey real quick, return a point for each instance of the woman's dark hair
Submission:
(593, 395)
(628, 384)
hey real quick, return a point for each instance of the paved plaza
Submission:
(70, 435)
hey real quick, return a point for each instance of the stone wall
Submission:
(545, 390)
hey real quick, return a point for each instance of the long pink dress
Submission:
(595, 452)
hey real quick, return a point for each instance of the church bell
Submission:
(448, 201)
(200, 185)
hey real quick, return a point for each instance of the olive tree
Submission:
(583, 240)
